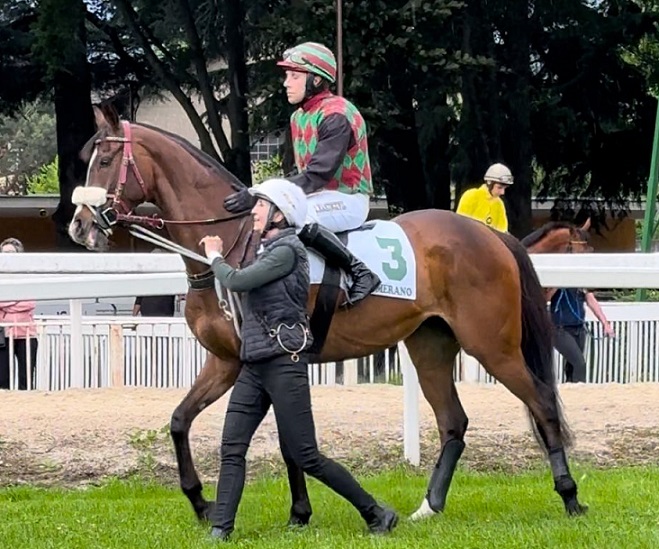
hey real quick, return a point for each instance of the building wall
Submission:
(38, 235)
(166, 113)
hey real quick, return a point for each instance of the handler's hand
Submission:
(212, 244)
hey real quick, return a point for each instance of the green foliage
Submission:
(264, 169)
(58, 21)
(46, 180)
(26, 144)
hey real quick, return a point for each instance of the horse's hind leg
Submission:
(541, 400)
(433, 349)
(215, 379)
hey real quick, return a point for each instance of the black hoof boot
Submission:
(219, 534)
(382, 521)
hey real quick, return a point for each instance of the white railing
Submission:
(162, 352)
(148, 352)
(88, 275)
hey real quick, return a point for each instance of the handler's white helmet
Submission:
(498, 173)
(288, 197)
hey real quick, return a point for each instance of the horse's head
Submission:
(119, 178)
(559, 237)
(579, 239)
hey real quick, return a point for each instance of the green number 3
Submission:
(397, 268)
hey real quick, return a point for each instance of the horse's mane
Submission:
(537, 235)
(203, 158)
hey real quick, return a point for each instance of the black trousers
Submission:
(286, 387)
(20, 352)
(570, 341)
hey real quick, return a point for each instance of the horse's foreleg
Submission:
(215, 379)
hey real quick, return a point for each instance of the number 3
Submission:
(397, 268)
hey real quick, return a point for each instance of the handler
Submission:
(275, 338)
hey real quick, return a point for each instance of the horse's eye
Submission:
(104, 162)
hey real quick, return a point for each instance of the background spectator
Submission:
(155, 305)
(19, 312)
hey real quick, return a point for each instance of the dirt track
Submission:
(82, 435)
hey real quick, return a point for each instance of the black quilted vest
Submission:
(279, 305)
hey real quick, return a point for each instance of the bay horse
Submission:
(559, 237)
(477, 290)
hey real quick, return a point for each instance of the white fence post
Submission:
(77, 351)
(350, 372)
(411, 439)
(116, 344)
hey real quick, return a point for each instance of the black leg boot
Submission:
(364, 281)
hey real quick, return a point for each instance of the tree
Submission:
(26, 145)
(62, 46)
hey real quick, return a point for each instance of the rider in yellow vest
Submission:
(484, 203)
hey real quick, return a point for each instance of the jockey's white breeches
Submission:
(338, 211)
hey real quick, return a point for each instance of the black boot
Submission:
(364, 281)
(219, 534)
(382, 520)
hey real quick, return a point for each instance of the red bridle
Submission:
(120, 211)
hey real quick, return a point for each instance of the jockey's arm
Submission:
(271, 265)
(467, 203)
(502, 218)
(334, 139)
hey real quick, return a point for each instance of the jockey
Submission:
(484, 203)
(331, 155)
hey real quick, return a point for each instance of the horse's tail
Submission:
(537, 332)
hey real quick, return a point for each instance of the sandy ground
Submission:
(79, 436)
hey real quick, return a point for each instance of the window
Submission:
(267, 146)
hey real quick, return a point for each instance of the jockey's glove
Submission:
(239, 202)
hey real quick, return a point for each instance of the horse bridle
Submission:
(118, 212)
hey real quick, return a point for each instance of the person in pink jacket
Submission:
(18, 312)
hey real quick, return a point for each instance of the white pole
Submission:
(411, 442)
(77, 371)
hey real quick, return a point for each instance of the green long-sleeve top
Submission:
(272, 264)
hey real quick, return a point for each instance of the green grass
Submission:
(484, 510)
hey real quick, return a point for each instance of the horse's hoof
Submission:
(424, 511)
(574, 509)
(298, 521)
(205, 511)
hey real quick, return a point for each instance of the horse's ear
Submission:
(586, 225)
(99, 117)
(111, 115)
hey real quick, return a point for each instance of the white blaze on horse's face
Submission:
(86, 198)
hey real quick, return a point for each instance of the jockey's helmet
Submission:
(498, 173)
(311, 57)
(289, 199)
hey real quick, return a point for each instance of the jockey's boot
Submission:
(364, 281)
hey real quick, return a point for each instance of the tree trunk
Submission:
(74, 127)
(516, 140)
(240, 160)
(478, 115)
(401, 168)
